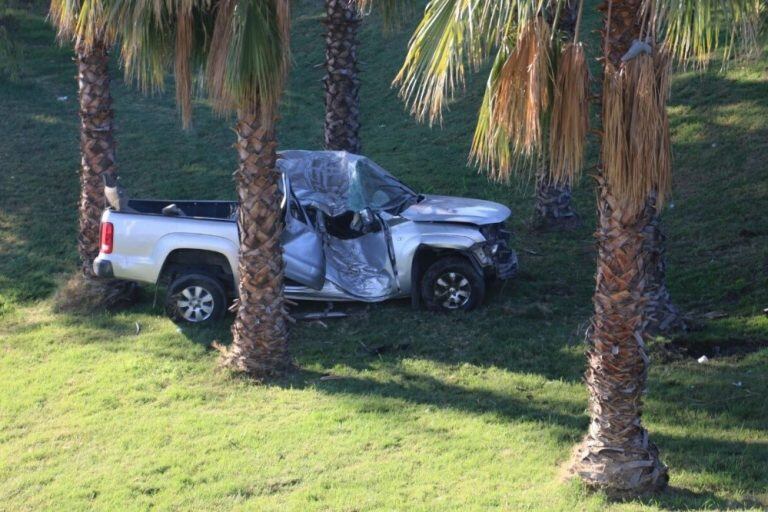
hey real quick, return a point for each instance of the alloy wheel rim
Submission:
(452, 290)
(195, 304)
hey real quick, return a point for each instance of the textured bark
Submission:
(97, 145)
(259, 333)
(661, 314)
(617, 455)
(568, 16)
(342, 85)
(553, 208)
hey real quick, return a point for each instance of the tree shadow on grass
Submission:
(376, 396)
(680, 499)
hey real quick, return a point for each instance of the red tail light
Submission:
(107, 237)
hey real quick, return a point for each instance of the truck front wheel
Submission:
(195, 298)
(451, 284)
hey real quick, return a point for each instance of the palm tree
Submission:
(453, 34)
(342, 85)
(241, 48)
(87, 25)
(633, 179)
(553, 206)
(341, 81)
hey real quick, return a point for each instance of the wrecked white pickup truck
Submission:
(353, 232)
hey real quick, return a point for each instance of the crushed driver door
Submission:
(302, 243)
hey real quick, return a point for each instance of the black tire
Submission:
(445, 279)
(210, 296)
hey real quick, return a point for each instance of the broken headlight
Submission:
(496, 232)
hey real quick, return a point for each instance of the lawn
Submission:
(126, 411)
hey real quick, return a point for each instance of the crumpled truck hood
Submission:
(457, 209)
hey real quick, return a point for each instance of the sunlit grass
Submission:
(480, 411)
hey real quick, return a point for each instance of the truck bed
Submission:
(222, 210)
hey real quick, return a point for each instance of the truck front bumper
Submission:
(103, 268)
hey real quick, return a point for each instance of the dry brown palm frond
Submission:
(570, 115)
(183, 74)
(636, 148)
(491, 149)
(615, 147)
(523, 88)
(644, 127)
(218, 58)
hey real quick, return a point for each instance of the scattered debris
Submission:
(331, 377)
(62, 98)
(531, 251)
(178, 330)
(691, 347)
(765, 311)
(317, 315)
(737, 383)
(138, 328)
(703, 359)
(714, 315)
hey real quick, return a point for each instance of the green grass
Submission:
(479, 412)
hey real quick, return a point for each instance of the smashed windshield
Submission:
(336, 182)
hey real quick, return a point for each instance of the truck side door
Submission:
(302, 243)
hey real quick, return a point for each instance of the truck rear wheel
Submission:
(195, 298)
(452, 284)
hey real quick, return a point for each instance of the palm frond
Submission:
(393, 12)
(570, 115)
(636, 146)
(491, 150)
(510, 128)
(237, 48)
(86, 21)
(694, 30)
(452, 36)
(523, 86)
(255, 42)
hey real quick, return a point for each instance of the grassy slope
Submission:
(479, 412)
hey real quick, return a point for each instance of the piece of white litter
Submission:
(703, 359)
(737, 383)
(62, 98)
(178, 329)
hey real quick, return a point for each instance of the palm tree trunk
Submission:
(342, 85)
(617, 455)
(97, 145)
(661, 314)
(259, 333)
(553, 208)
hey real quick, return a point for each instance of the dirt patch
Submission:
(684, 348)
